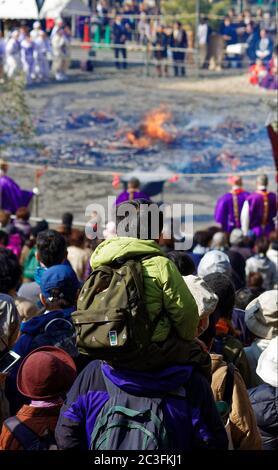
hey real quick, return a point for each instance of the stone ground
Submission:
(72, 191)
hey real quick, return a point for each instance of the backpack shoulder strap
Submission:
(23, 434)
(229, 385)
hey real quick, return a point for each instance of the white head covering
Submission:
(261, 315)
(214, 261)
(205, 298)
(267, 368)
(36, 25)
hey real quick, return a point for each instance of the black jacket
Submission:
(264, 400)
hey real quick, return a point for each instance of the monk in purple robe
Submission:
(12, 197)
(229, 206)
(259, 210)
(133, 192)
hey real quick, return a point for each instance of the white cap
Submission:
(36, 25)
(267, 364)
(214, 261)
(204, 296)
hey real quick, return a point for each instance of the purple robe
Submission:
(123, 197)
(12, 196)
(256, 213)
(224, 211)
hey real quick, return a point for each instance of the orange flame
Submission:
(152, 130)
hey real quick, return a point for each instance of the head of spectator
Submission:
(183, 262)
(133, 185)
(67, 219)
(3, 166)
(261, 245)
(77, 238)
(23, 213)
(141, 223)
(59, 288)
(255, 282)
(227, 21)
(243, 297)
(263, 33)
(214, 261)
(10, 272)
(221, 319)
(5, 219)
(47, 373)
(219, 241)
(37, 25)
(51, 248)
(236, 237)
(22, 221)
(268, 364)
(201, 241)
(205, 298)
(261, 315)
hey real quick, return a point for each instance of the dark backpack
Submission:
(129, 422)
(232, 350)
(111, 314)
(58, 332)
(28, 439)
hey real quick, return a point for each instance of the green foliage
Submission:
(184, 10)
(15, 114)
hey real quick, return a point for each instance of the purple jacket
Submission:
(89, 394)
(123, 197)
(257, 212)
(224, 211)
(12, 197)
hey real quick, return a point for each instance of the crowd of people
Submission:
(237, 40)
(126, 343)
(31, 52)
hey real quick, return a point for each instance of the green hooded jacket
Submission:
(165, 288)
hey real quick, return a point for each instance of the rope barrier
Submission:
(110, 173)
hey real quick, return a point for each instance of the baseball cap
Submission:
(63, 279)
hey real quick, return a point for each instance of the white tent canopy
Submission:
(57, 8)
(18, 9)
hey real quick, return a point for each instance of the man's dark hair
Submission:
(261, 245)
(10, 271)
(182, 260)
(51, 247)
(255, 280)
(224, 289)
(67, 219)
(139, 221)
(202, 237)
(243, 297)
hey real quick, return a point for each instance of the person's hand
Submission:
(202, 344)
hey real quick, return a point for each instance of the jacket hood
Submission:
(109, 250)
(34, 325)
(150, 383)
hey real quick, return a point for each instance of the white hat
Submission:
(205, 298)
(236, 236)
(214, 261)
(36, 25)
(267, 364)
(261, 315)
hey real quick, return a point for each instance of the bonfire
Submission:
(152, 130)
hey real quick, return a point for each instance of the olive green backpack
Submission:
(111, 317)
